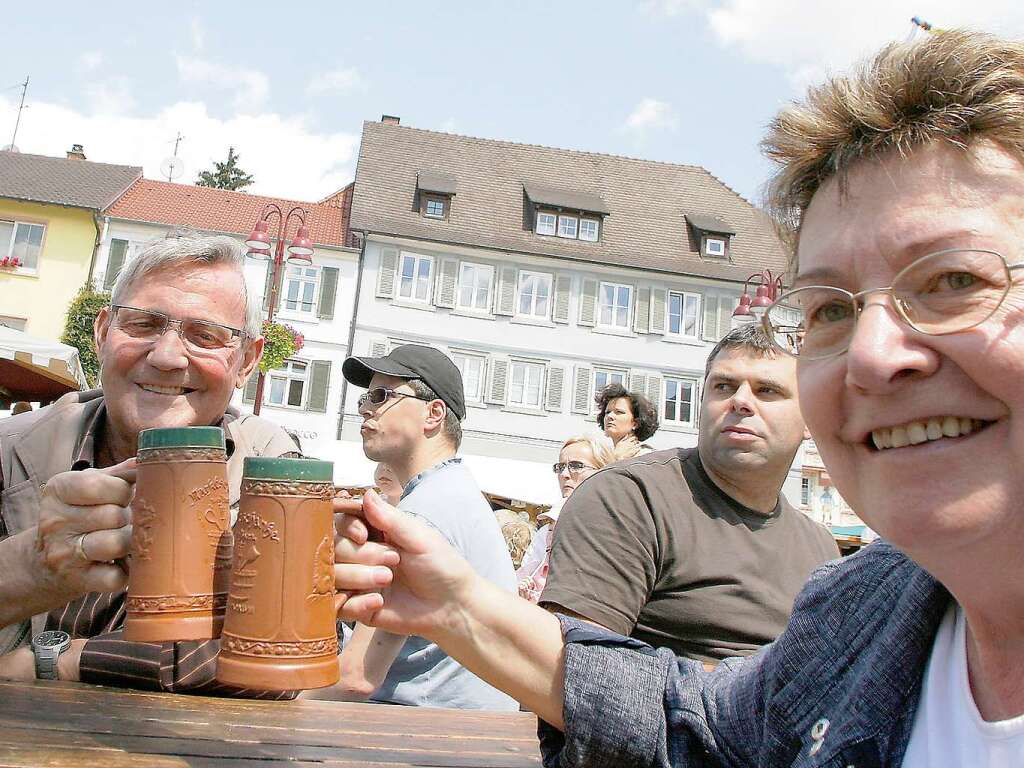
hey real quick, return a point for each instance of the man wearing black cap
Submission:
(412, 412)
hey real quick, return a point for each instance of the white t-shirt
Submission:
(949, 732)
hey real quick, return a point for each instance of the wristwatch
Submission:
(47, 647)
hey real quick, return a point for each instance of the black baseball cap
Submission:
(412, 361)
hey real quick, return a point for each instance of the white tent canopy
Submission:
(523, 480)
(37, 369)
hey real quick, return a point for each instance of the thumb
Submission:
(126, 470)
(400, 529)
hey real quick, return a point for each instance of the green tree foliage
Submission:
(78, 328)
(226, 175)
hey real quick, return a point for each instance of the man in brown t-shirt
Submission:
(696, 549)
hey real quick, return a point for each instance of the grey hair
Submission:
(187, 248)
(750, 337)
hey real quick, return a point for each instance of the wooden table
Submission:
(69, 724)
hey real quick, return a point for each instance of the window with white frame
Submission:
(603, 377)
(534, 295)
(589, 229)
(567, 226)
(714, 246)
(613, 310)
(22, 241)
(547, 223)
(287, 385)
(300, 284)
(434, 207)
(415, 276)
(475, 281)
(680, 401)
(525, 384)
(805, 491)
(683, 314)
(472, 369)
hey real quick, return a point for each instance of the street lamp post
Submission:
(260, 244)
(770, 288)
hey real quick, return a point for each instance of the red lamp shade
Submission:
(742, 310)
(301, 245)
(260, 254)
(763, 300)
(259, 238)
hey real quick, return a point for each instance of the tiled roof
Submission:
(58, 180)
(221, 210)
(648, 202)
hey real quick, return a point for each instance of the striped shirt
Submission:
(107, 658)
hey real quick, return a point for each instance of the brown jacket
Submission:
(37, 445)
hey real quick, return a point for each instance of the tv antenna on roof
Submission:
(172, 167)
(24, 87)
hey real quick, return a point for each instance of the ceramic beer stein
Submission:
(181, 536)
(279, 630)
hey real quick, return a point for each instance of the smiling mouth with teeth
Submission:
(164, 390)
(917, 432)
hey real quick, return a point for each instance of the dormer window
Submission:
(714, 246)
(713, 235)
(566, 214)
(435, 191)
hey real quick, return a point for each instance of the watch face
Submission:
(51, 639)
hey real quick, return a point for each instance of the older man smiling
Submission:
(181, 334)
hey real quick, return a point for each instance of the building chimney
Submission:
(390, 119)
(76, 152)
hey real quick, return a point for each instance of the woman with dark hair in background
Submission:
(628, 418)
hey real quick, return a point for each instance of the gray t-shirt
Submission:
(423, 675)
(652, 548)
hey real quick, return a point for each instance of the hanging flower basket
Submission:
(281, 341)
(10, 262)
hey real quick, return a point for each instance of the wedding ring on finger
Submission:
(80, 548)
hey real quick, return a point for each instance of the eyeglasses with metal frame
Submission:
(574, 467)
(380, 395)
(197, 335)
(941, 293)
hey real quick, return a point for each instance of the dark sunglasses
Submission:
(380, 395)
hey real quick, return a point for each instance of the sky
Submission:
(289, 85)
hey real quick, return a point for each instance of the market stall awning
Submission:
(35, 369)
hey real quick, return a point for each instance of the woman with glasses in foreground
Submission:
(907, 319)
(578, 459)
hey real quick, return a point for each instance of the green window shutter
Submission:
(447, 276)
(642, 310)
(328, 293)
(506, 293)
(654, 393)
(588, 303)
(658, 299)
(386, 273)
(581, 390)
(115, 260)
(726, 304)
(563, 288)
(249, 393)
(553, 395)
(267, 285)
(497, 387)
(319, 383)
(710, 329)
(638, 383)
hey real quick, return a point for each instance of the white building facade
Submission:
(537, 271)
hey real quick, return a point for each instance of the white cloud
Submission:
(196, 33)
(250, 87)
(286, 157)
(90, 61)
(808, 39)
(111, 96)
(339, 80)
(650, 114)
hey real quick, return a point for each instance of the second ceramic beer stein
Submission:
(181, 536)
(279, 630)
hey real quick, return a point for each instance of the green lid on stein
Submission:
(305, 470)
(182, 437)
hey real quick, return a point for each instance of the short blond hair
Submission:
(600, 446)
(955, 87)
